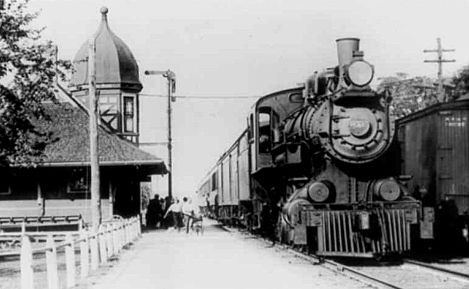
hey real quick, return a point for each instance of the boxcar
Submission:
(435, 154)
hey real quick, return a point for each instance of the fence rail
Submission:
(95, 248)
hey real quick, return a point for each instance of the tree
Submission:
(28, 70)
(409, 94)
(461, 81)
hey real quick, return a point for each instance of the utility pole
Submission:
(93, 126)
(440, 61)
(171, 77)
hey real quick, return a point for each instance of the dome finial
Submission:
(104, 12)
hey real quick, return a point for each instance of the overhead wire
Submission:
(202, 97)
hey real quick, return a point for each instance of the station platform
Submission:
(217, 259)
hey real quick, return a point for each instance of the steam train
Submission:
(323, 155)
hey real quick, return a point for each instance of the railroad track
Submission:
(406, 273)
(347, 270)
(423, 277)
(464, 277)
(330, 264)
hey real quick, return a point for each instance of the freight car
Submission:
(318, 163)
(435, 152)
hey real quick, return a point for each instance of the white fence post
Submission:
(115, 243)
(118, 236)
(94, 251)
(26, 260)
(129, 232)
(84, 255)
(134, 229)
(51, 264)
(122, 235)
(70, 261)
(126, 232)
(139, 226)
(102, 244)
(108, 239)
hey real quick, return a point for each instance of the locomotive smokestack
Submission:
(345, 49)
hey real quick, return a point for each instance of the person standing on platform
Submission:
(167, 203)
(163, 223)
(158, 211)
(176, 211)
(187, 211)
(152, 212)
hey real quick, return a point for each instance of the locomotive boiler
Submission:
(324, 154)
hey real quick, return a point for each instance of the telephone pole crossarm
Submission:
(440, 61)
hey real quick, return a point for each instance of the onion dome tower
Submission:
(117, 81)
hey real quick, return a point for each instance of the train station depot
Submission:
(58, 184)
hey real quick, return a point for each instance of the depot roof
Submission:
(70, 146)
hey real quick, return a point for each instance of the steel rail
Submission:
(363, 275)
(463, 276)
(334, 266)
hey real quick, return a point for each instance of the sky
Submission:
(248, 48)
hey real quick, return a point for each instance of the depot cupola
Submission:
(117, 80)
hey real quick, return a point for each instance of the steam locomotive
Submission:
(323, 155)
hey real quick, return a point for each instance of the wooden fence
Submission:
(95, 249)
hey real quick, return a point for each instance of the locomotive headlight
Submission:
(360, 73)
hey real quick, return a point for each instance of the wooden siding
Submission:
(435, 151)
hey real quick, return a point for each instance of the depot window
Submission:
(4, 188)
(129, 114)
(108, 107)
(79, 181)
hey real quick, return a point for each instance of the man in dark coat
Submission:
(152, 211)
